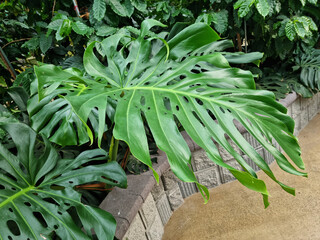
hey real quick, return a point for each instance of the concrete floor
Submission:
(235, 212)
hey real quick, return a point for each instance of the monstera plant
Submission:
(169, 85)
(37, 195)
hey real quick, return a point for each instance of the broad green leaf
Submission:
(55, 25)
(37, 192)
(45, 42)
(141, 5)
(303, 2)
(105, 30)
(243, 7)
(310, 68)
(122, 8)
(300, 30)
(80, 28)
(263, 7)
(32, 44)
(221, 21)
(290, 30)
(199, 91)
(64, 29)
(99, 9)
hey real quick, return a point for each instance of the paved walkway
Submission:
(235, 212)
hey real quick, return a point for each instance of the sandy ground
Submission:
(235, 212)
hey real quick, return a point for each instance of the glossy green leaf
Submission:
(99, 9)
(80, 28)
(263, 7)
(198, 90)
(243, 7)
(122, 8)
(45, 42)
(290, 30)
(37, 192)
(141, 5)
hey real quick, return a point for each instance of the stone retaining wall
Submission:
(142, 210)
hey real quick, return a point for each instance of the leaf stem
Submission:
(113, 152)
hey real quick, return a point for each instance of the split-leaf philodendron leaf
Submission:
(37, 198)
(201, 92)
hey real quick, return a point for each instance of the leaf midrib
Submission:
(18, 194)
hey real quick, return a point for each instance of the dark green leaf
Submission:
(45, 42)
(37, 192)
(122, 8)
(80, 28)
(99, 9)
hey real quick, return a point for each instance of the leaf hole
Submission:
(182, 77)
(13, 227)
(197, 117)
(2, 187)
(222, 110)
(51, 200)
(196, 71)
(212, 115)
(199, 101)
(60, 213)
(185, 99)
(148, 108)
(177, 107)
(27, 204)
(71, 182)
(14, 189)
(41, 219)
(10, 210)
(146, 83)
(56, 227)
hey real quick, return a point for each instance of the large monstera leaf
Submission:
(202, 93)
(37, 198)
(309, 64)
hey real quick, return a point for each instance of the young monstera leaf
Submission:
(200, 92)
(37, 198)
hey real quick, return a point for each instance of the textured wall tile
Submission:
(136, 230)
(187, 189)
(156, 230)
(296, 107)
(164, 208)
(148, 211)
(170, 181)
(313, 108)
(209, 177)
(157, 190)
(304, 117)
(201, 161)
(175, 198)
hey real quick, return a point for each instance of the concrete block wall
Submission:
(143, 209)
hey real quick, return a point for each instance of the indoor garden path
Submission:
(235, 212)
